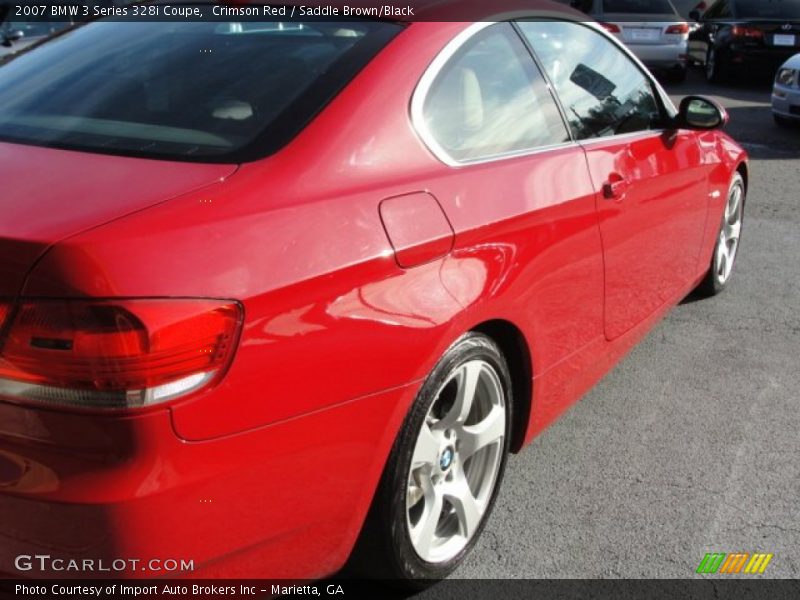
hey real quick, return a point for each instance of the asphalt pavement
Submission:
(692, 444)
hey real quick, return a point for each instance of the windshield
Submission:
(768, 9)
(215, 92)
(641, 7)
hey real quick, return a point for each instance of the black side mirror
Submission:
(697, 112)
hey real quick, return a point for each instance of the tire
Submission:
(715, 68)
(421, 524)
(726, 250)
(677, 75)
(783, 121)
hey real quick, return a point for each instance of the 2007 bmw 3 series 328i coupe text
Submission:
(276, 298)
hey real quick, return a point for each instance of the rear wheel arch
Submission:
(515, 349)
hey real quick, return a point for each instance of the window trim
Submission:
(420, 94)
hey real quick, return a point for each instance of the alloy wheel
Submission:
(729, 235)
(456, 462)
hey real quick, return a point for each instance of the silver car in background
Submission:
(652, 29)
(786, 93)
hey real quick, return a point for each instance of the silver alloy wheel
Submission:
(728, 243)
(456, 461)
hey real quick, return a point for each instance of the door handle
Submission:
(615, 187)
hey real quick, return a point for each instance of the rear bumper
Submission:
(133, 499)
(660, 56)
(763, 58)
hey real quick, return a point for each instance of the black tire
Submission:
(712, 284)
(716, 68)
(783, 121)
(385, 550)
(677, 74)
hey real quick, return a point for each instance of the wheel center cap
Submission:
(446, 458)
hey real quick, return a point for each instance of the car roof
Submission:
(468, 10)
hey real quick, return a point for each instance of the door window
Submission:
(604, 93)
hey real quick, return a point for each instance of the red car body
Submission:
(358, 258)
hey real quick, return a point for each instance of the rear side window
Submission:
(211, 91)
(603, 92)
(490, 100)
(774, 9)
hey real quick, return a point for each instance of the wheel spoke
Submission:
(466, 506)
(467, 381)
(426, 452)
(732, 230)
(424, 533)
(490, 430)
(732, 211)
(722, 253)
(733, 246)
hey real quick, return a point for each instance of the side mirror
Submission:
(695, 15)
(697, 112)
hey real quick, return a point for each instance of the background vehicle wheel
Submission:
(728, 240)
(716, 69)
(677, 74)
(783, 121)
(442, 477)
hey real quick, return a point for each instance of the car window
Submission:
(761, 9)
(719, 10)
(490, 99)
(603, 92)
(640, 7)
(202, 91)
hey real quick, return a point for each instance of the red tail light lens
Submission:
(679, 29)
(752, 33)
(115, 354)
(4, 308)
(611, 27)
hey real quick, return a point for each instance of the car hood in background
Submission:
(793, 63)
(47, 195)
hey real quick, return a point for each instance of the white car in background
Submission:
(786, 93)
(652, 29)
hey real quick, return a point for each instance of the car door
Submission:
(651, 183)
(516, 191)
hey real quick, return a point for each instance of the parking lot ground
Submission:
(692, 445)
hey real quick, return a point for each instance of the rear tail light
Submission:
(752, 33)
(611, 27)
(4, 308)
(679, 29)
(115, 354)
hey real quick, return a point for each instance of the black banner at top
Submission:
(78, 11)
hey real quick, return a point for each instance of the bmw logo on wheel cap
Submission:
(446, 459)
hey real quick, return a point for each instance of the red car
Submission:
(276, 297)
